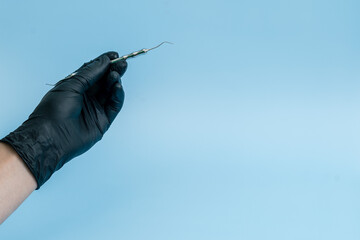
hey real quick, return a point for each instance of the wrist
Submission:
(14, 163)
(16, 181)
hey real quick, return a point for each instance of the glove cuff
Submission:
(36, 152)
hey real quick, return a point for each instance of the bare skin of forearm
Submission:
(16, 181)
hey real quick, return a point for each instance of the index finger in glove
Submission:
(111, 54)
(88, 75)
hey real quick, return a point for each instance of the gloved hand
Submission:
(71, 117)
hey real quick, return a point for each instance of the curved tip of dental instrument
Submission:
(159, 45)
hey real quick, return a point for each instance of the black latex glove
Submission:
(71, 117)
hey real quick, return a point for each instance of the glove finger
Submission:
(111, 54)
(115, 102)
(106, 89)
(88, 75)
(119, 66)
(117, 69)
(98, 85)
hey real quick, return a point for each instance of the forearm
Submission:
(16, 181)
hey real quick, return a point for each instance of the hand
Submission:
(71, 117)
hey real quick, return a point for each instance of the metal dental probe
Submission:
(134, 54)
(130, 55)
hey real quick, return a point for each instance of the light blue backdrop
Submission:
(246, 128)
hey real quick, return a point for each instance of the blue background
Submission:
(246, 128)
